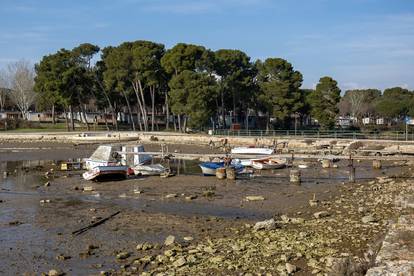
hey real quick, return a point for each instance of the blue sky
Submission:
(360, 43)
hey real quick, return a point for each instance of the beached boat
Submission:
(268, 164)
(128, 155)
(209, 168)
(252, 150)
(109, 171)
(155, 169)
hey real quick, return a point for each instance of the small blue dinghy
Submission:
(209, 168)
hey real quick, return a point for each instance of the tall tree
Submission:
(22, 76)
(359, 102)
(236, 78)
(324, 102)
(280, 88)
(4, 88)
(180, 58)
(192, 96)
(83, 55)
(394, 103)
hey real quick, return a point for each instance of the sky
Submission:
(359, 43)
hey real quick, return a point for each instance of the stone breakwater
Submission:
(342, 237)
(283, 144)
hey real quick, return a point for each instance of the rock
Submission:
(180, 262)
(137, 191)
(169, 240)
(285, 219)
(88, 189)
(55, 272)
(362, 210)
(187, 239)
(290, 268)
(47, 184)
(43, 201)
(191, 197)
(313, 202)
(62, 257)
(169, 253)
(369, 219)
(216, 259)
(123, 255)
(269, 224)
(255, 198)
(321, 214)
(171, 195)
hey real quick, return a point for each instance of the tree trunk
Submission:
(53, 114)
(174, 122)
(167, 123)
(105, 120)
(143, 106)
(223, 115)
(140, 104)
(179, 122)
(83, 114)
(185, 124)
(66, 119)
(139, 118)
(152, 106)
(72, 122)
(129, 110)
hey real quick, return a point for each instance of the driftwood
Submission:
(90, 226)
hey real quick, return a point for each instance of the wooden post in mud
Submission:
(351, 170)
(230, 173)
(376, 164)
(221, 173)
(295, 176)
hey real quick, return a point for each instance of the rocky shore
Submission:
(341, 238)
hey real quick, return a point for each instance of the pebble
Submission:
(171, 195)
(290, 268)
(269, 224)
(180, 262)
(191, 197)
(368, 219)
(88, 189)
(188, 238)
(169, 240)
(321, 214)
(255, 198)
(55, 272)
(123, 255)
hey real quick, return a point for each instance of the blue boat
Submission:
(209, 168)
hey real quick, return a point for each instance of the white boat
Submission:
(156, 169)
(128, 155)
(249, 162)
(110, 171)
(252, 150)
(268, 164)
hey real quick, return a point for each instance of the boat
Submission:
(127, 155)
(268, 164)
(112, 171)
(209, 168)
(252, 150)
(155, 169)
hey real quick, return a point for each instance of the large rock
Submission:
(269, 224)
(290, 268)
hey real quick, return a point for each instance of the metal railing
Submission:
(386, 135)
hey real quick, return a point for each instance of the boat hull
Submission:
(210, 168)
(101, 172)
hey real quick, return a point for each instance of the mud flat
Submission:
(193, 225)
